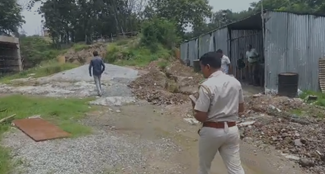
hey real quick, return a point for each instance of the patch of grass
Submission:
(79, 46)
(297, 112)
(163, 64)
(5, 163)
(63, 112)
(44, 69)
(132, 54)
(320, 97)
(122, 42)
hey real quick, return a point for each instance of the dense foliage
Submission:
(35, 49)
(85, 20)
(10, 17)
(159, 31)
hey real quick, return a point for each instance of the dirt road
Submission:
(152, 122)
(137, 123)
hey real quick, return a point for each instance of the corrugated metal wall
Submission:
(193, 50)
(204, 44)
(240, 39)
(294, 46)
(184, 51)
(209, 42)
(221, 40)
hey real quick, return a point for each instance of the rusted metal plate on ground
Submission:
(39, 129)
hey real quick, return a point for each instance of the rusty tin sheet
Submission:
(39, 129)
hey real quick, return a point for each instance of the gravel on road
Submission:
(102, 152)
(82, 74)
(77, 83)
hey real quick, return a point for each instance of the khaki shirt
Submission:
(220, 97)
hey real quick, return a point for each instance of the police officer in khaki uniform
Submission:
(217, 107)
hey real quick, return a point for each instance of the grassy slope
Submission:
(129, 52)
(44, 69)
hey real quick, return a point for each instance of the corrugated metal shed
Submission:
(294, 46)
(239, 42)
(293, 43)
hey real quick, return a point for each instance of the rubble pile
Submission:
(300, 136)
(156, 88)
(167, 86)
(86, 54)
(261, 103)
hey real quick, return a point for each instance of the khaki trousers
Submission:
(226, 142)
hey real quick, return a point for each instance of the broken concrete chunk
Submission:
(246, 123)
(297, 142)
(291, 157)
(192, 121)
(35, 116)
(306, 163)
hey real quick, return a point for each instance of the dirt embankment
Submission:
(170, 85)
(84, 53)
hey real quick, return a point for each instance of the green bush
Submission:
(134, 55)
(159, 31)
(35, 49)
(79, 46)
(157, 41)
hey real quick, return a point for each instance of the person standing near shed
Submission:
(225, 62)
(217, 107)
(97, 66)
(252, 57)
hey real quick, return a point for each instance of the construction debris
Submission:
(172, 85)
(290, 125)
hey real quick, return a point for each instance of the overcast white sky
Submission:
(33, 20)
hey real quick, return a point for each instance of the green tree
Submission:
(85, 20)
(10, 16)
(184, 12)
(159, 31)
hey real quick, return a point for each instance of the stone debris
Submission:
(290, 125)
(171, 85)
(192, 121)
(113, 101)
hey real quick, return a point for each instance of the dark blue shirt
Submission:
(98, 66)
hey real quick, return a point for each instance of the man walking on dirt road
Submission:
(217, 107)
(98, 66)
